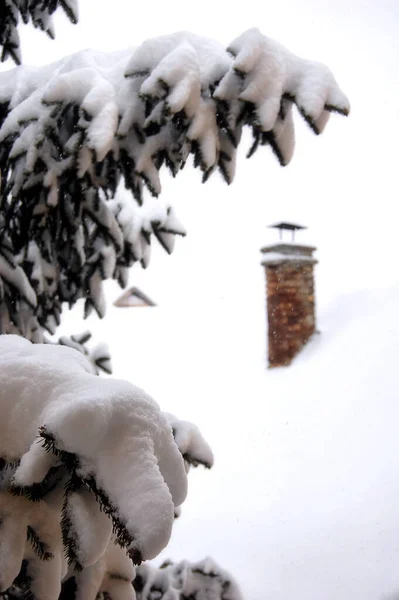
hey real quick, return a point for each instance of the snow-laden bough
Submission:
(104, 440)
(75, 131)
(37, 12)
(191, 443)
(203, 580)
(132, 111)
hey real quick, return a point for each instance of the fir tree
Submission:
(82, 146)
(92, 475)
(37, 12)
(75, 133)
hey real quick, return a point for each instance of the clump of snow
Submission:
(139, 222)
(110, 576)
(99, 356)
(108, 433)
(195, 450)
(31, 532)
(91, 529)
(267, 65)
(203, 580)
(15, 276)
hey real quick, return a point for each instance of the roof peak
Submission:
(134, 297)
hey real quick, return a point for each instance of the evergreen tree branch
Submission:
(37, 12)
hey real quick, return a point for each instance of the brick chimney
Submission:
(290, 296)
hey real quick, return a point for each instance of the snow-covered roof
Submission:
(133, 297)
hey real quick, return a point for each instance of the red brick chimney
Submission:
(290, 297)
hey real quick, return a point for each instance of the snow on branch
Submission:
(96, 456)
(92, 116)
(178, 581)
(71, 133)
(51, 256)
(37, 12)
(99, 356)
(193, 447)
(90, 477)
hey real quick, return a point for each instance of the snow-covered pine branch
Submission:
(92, 115)
(108, 437)
(72, 479)
(37, 12)
(72, 131)
(61, 255)
(203, 580)
(188, 438)
(87, 466)
(99, 356)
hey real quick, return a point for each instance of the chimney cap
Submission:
(289, 226)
